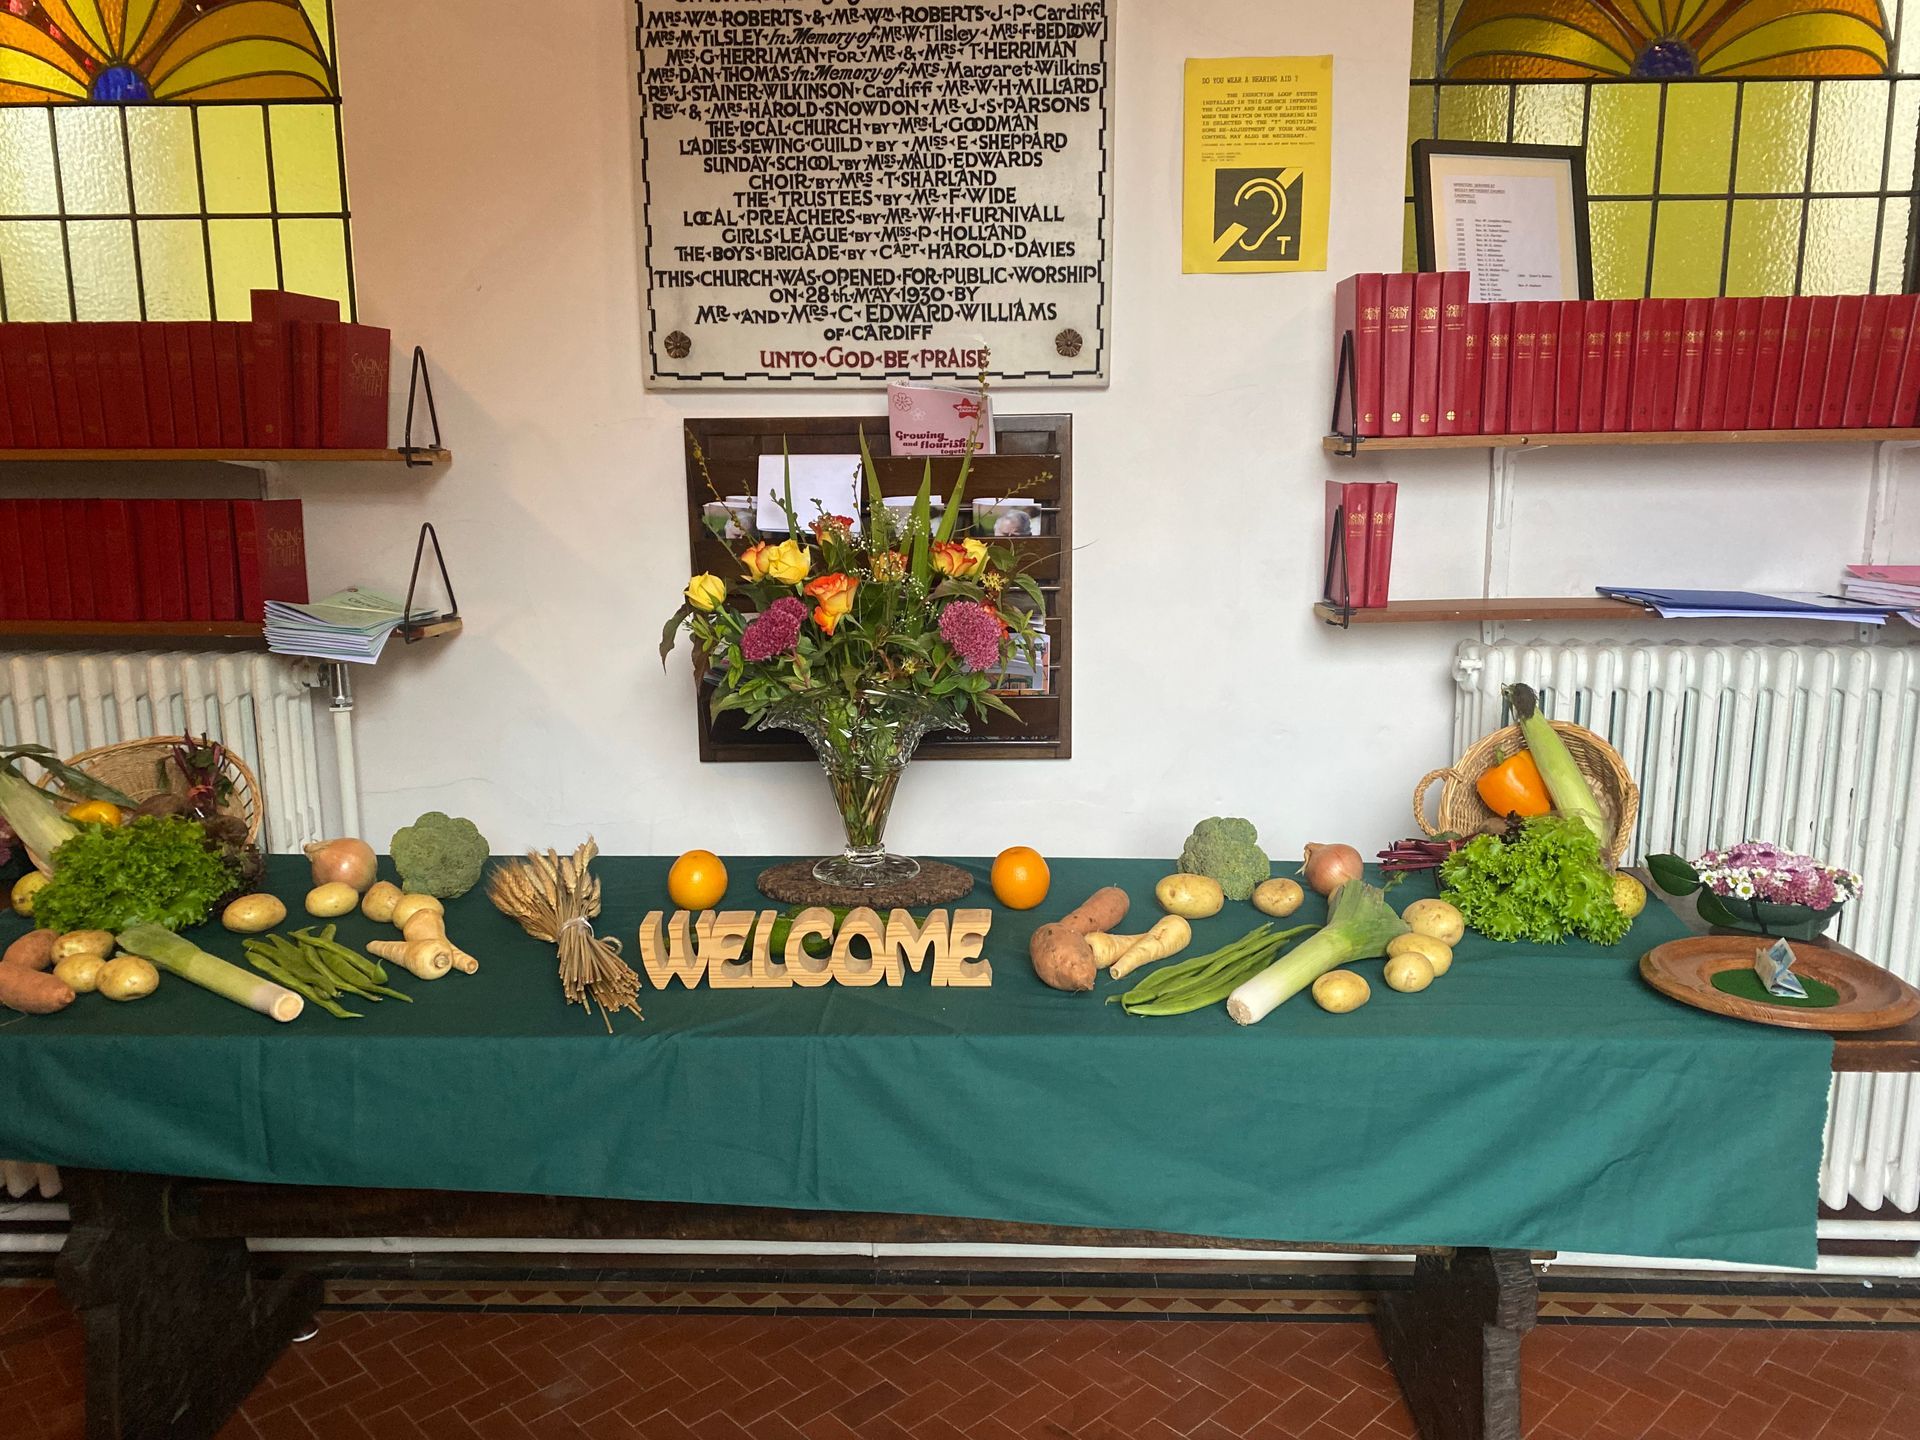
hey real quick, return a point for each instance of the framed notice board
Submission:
(1020, 496)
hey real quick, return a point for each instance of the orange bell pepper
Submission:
(1514, 787)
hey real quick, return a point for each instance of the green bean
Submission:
(334, 950)
(282, 976)
(1207, 979)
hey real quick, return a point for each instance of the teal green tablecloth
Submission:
(1537, 1097)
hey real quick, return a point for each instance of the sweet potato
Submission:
(32, 951)
(31, 992)
(1061, 956)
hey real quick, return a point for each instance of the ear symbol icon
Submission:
(1275, 196)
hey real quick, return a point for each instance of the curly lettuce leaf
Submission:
(1544, 886)
(154, 869)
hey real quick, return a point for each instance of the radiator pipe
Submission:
(349, 783)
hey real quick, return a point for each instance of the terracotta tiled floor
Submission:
(404, 1374)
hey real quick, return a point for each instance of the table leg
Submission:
(178, 1332)
(1453, 1340)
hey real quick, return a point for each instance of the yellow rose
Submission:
(889, 566)
(959, 558)
(706, 592)
(787, 563)
(754, 558)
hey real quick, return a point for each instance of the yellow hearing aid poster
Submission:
(1259, 164)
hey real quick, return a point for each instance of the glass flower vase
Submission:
(863, 743)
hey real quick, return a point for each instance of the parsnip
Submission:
(1169, 937)
(432, 925)
(426, 959)
(1109, 948)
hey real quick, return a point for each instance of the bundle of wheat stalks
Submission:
(555, 897)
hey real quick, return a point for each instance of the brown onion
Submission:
(1328, 867)
(348, 861)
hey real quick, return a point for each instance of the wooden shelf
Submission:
(1339, 445)
(133, 629)
(421, 457)
(1497, 611)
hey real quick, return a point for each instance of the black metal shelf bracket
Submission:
(1341, 604)
(408, 631)
(420, 384)
(1346, 387)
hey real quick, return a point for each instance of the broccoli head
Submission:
(1223, 848)
(439, 855)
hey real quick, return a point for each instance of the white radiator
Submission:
(259, 706)
(1811, 746)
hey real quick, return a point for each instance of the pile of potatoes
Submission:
(1414, 960)
(42, 971)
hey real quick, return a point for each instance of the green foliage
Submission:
(1673, 875)
(1544, 885)
(1225, 848)
(440, 855)
(155, 869)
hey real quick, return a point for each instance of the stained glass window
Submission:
(1743, 147)
(159, 159)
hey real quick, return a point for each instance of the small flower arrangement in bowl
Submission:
(1757, 887)
(862, 638)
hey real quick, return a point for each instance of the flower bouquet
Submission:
(862, 638)
(1759, 888)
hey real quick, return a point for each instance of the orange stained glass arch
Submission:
(1665, 39)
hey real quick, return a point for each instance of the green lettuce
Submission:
(153, 870)
(1545, 884)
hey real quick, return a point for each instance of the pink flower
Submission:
(974, 632)
(774, 631)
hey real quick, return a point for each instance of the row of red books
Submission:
(292, 377)
(1429, 362)
(1360, 542)
(149, 559)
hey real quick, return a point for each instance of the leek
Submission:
(210, 972)
(31, 811)
(1572, 796)
(1359, 927)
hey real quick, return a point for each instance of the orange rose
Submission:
(754, 558)
(835, 594)
(959, 558)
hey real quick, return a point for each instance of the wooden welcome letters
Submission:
(709, 947)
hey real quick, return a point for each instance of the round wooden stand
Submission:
(936, 884)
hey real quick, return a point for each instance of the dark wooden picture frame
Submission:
(1034, 461)
(1575, 157)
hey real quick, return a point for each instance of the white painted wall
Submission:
(490, 151)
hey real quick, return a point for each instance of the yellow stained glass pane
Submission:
(1839, 254)
(1617, 232)
(93, 166)
(233, 156)
(1410, 241)
(34, 266)
(1426, 18)
(1419, 126)
(160, 139)
(1697, 149)
(1548, 114)
(1686, 247)
(242, 263)
(105, 283)
(26, 163)
(313, 257)
(1906, 121)
(1892, 278)
(1774, 118)
(319, 13)
(306, 157)
(1852, 135)
(1763, 247)
(173, 267)
(1622, 132)
(1473, 112)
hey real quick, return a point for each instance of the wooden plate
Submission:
(1870, 998)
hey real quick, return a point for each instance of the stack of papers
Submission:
(351, 625)
(1894, 585)
(1751, 605)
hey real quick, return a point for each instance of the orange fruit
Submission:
(1020, 877)
(697, 880)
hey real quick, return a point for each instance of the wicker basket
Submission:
(1462, 811)
(141, 769)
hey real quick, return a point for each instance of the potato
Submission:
(129, 978)
(1435, 918)
(32, 992)
(1409, 973)
(251, 914)
(336, 897)
(24, 889)
(1439, 956)
(97, 943)
(32, 951)
(1339, 991)
(410, 904)
(1191, 897)
(377, 904)
(1278, 897)
(80, 973)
